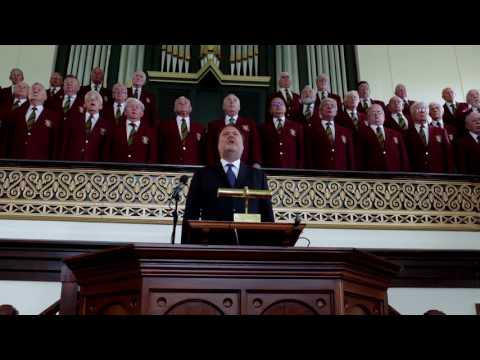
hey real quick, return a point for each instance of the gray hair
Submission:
(134, 101)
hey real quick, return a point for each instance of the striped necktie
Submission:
(66, 107)
(88, 124)
(380, 137)
(423, 135)
(184, 129)
(118, 113)
(401, 121)
(279, 125)
(132, 132)
(31, 119)
(329, 132)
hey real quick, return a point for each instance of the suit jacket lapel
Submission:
(222, 175)
(242, 176)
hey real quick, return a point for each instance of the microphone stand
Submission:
(176, 197)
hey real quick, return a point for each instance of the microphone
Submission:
(176, 196)
(181, 184)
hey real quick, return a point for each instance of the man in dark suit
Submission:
(469, 146)
(7, 94)
(202, 200)
(451, 106)
(429, 148)
(19, 100)
(86, 135)
(282, 139)
(33, 130)
(350, 118)
(181, 140)
(323, 91)
(401, 92)
(291, 98)
(115, 110)
(366, 101)
(138, 91)
(133, 141)
(395, 117)
(96, 77)
(381, 148)
(251, 139)
(332, 146)
(56, 85)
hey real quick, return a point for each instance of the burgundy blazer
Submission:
(391, 157)
(406, 107)
(50, 93)
(37, 144)
(6, 95)
(251, 140)
(335, 97)
(468, 155)
(379, 102)
(104, 92)
(284, 150)
(293, 110)
(450, 118)
(436, 157)
(344, 120)
(392, 124)
(143, 149)
(306, 126)
(172, 150)
(78, 146)
(460, 116)
(148, 100)
(108, 113)
(328, 156)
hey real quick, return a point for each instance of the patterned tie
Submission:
(184, 129)
(401, 121)
(135, 93)
(118, 113)
(88, 124)
(380, 137)
(132, 132)
(16, 104)
(231, 175)
(279, 125)
(423, 135)
(289, 97)
(308, 112)
(66, 107)
(31, 119)
(232, 120)
(328, 129)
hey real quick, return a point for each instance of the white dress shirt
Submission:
(235, 167)
(94, 119)
(396, 117)
(275, 122)
(179, 124)
(417, 126)
(475, 137)
(38, 112)
(129, 128)
(227, 119)
(353, 114)
(115, 106)
(332, 126)
(72, 99)
(139, 91)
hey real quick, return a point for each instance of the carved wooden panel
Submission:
(362, 305)
(193, 302)
(124, 303)
(289, 303)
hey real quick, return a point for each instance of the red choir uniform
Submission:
(336, 153)
(406, 106)
(323, 95)
(55, 91)
(468, 154)
(394, 122)
(435, 156)
(450, 113)
(104, 92)
(382, 149)
(282, 145)
(363, 109)
(141, 148)
(148, 100)
(82, 142)
(293, 102)
(305, 118)
(251, 140)
(33, 139)
(460, 116)
(181, 147)
(114, 112)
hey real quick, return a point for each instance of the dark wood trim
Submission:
(42, 261)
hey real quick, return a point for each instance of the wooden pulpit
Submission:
(235, 233)
(226, 280)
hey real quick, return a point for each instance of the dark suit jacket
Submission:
(436, 157)
(6, 95)
(335, 97)
(392, 124)
(37, 144)
(142, 150)
(284, 150)
(379, 102)
(450, 118)
(148, 100)
(172, 150)
(392, 157)
(78, 146)
(251, 140)
(203, 203)
(468, 158)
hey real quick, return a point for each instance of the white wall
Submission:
(29, 297)
(36, 61)
(424, 69)
(416, 301)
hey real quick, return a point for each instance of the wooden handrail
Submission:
(52, 309)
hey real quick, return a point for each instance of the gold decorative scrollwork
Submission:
(125, 196)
